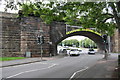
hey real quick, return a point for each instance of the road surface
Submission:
(66, 67)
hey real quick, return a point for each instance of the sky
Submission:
(76, 37)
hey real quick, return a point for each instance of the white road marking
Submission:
(32, 70)
(24, 65)
(78, 72)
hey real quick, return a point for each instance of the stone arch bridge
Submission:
(19, 35)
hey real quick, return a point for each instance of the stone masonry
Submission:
(10, 35)
(30, 28)
(19, 35)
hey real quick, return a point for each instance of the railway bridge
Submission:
(19, 35)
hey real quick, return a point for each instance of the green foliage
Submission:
(60, 44)
(48, 12)
(71, 42)
(85, 14)
(88, 43)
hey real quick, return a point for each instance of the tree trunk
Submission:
(119, 40)
(115, 13)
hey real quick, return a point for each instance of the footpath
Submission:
(26, 61)
(102, 69)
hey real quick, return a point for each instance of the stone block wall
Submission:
(10, 36)
(57, 31)
(19, 35)
(30, 29)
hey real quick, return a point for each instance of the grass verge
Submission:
(10, 58)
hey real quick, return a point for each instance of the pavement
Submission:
(102, 69)
(27, 61)
(72, 67)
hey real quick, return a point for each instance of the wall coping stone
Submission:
(8, 15)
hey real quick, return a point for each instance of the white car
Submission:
(91, 51)
(74, 52)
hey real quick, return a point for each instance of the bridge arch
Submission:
(93, 36)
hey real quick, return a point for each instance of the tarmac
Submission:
(26, 61)
(102, 67)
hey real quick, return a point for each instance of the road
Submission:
(66, 67)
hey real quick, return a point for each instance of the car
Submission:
(79, 50)
(74, 52)
(91, 51)
(62, 50)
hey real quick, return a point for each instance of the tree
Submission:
(88, 43)
(60, 44)
(71, 42)
(85, 14)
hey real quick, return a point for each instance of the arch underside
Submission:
(96, 38)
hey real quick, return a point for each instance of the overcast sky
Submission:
(76, 37)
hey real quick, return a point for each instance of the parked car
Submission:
(64, 52)
(79, 50)
(74, 52)
(91, 51)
